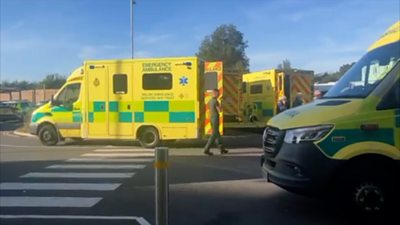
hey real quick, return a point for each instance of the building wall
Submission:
(30, 95)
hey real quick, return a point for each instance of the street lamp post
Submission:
(132, 3)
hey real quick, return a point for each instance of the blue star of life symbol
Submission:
(183, 80)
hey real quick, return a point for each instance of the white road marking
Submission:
(16, 201)
(118, 155)
(60, 186)
(135, 160)
(78, 175)
(41, 147)
(140, 220)
(95, 166)
(242, 155)
(124, 150)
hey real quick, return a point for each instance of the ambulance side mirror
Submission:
(53, 101)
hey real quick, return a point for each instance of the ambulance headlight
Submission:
(305, 134)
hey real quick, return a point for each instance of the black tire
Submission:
(149, 137)
(368, 191)
(48, 135)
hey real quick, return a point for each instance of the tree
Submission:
(53, 81)
(285, 65)
(18, 85)
(329, 77)
(226, 44)
(343, 69)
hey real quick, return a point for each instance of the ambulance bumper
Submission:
(33, 128)
(300, 168)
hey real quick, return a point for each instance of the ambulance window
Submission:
(69, 95)
(391, 99)
(364, 76)
(157, 81)
(256, 89)
(120, 84)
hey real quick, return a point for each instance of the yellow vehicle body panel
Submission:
(347, 139)
(391, 35)
(260, 97)
(118, 97)
(263, 89)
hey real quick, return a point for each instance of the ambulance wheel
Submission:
(149, 137)
(369, 191)
(48, 135)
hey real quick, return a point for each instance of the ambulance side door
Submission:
(97, 96)
(120, 102)
(389, 113)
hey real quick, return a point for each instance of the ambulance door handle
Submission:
(129, 107)
(369, 126)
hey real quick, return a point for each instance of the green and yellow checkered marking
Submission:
(260, 108)
(143, 112)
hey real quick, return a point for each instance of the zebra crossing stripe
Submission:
(60, 186)
(78, 175)
(118, 155)
(99, 159)
(140, 220)
(125, 150)
(95, 166)
(18, 201)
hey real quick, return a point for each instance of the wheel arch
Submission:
(369, 169)
(360, 149)
(371, 162)
(376, 158)
(140, 129)
(44, 123)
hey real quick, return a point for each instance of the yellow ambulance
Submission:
(348, 142)
(252, 99)
(261, 91)
(145, 99)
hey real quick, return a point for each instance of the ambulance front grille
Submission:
(272, 140)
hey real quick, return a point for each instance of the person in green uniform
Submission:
(298, 101)
(215, 110)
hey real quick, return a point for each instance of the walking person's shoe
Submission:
(223, 150)
(207, 152)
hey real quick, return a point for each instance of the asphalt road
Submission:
(112, 182)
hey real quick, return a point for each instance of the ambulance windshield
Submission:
(365, 75)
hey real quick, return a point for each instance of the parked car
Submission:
(9, 113)
(23, 106)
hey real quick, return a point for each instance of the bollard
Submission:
(161, 182)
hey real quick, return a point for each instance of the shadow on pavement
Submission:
(198, 196)
(231, 141)
(257, 202)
